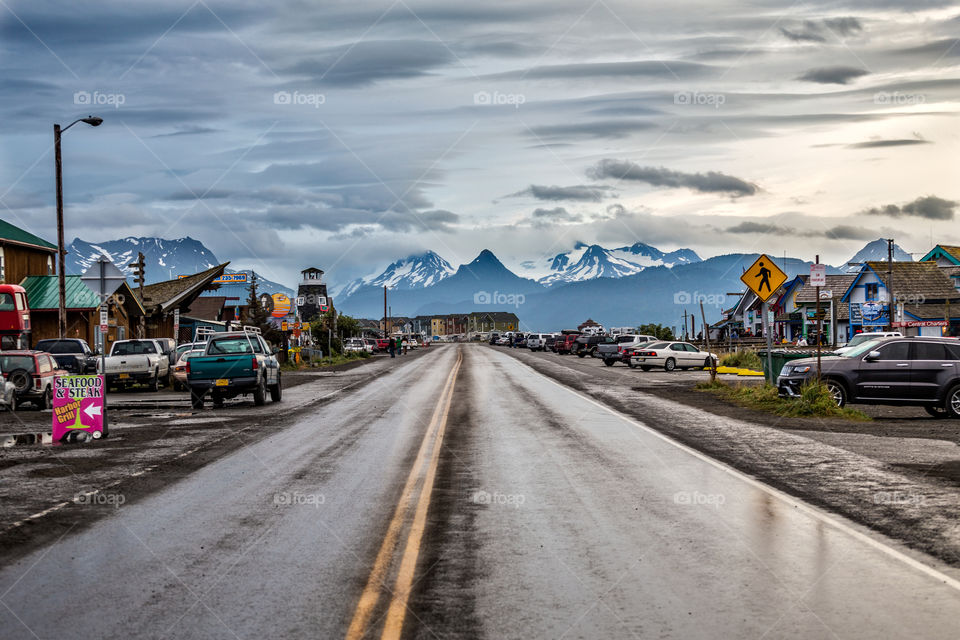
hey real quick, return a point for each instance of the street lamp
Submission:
(93, 121)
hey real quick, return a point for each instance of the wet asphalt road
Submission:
(548, 516)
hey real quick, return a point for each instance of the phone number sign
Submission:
(77, 405)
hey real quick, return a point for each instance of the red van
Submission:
(14, 318)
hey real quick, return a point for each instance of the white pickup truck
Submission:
(137, 362)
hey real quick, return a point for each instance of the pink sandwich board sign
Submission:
(77, 405)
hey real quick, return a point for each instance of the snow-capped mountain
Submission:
(877, 250)
(413, 272)
(164, 259)
(587, 262)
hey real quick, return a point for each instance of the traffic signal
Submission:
(138, 270)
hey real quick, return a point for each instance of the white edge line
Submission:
(811, 510)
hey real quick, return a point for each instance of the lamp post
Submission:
(93, 121)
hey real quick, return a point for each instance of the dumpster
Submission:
(780, 357)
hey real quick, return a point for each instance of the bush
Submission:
(814, 401)
(742, 360)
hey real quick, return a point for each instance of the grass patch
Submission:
(328, 361)
(814, 401)
(742, 360)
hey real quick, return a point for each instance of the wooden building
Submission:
(162, 299)
(23, 254)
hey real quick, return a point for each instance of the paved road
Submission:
(541, 514)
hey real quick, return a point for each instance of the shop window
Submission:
(872, 291)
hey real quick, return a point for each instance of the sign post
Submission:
(78, 405)
(104, 278)
(764, 277)
(176, 325)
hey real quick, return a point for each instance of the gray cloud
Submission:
(929, 207)
(368, 61)
(557, 214)
(850, 232)
(758, 227)
(597, 129)
(631, 69)
(810, 33)
(817, 30)
(875, 144)
(833, 75)
(582, 193)
(710, 182)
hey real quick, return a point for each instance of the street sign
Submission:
(103, 277)
(77, 405)
(284, 326)
(764, 277)
(818, 275)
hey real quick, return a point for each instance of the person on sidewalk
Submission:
(392, 347)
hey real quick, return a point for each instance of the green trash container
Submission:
(778, 358)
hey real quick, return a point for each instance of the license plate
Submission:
(222, 382)
(124, 376)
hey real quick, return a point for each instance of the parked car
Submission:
(494, 338)
(612, 352)
(353, 345)
(672, 355)
(179, 379)
(370, 345)
(886, 370)
(72, 354)
(8, 391)
(564, 343)
(587, 345)
(383, 344)
(628, 351)
(549, 343)
(137, 362)
(168, 347)
(538, 341)
(860, 338)
(31, 373)
(189, 346)
(235, 363)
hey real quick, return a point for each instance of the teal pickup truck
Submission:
(233, 364)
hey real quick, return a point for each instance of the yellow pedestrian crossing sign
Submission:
(764, 277)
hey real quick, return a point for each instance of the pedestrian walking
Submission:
(406, 345)
(392, 347)
(400, 346)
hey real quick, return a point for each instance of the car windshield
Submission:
(862, 348)
(225, 346)
(6, 302)
(59, 346)
(190, 354)
(133, 348)
(9, 363)
(860, 339)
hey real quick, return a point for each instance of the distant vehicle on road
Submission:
(136, 362)
(353, 345)
(31, 372)
(235, 363)
(612, 352)
(564, 343)
(72, 354)
(370, 345)
(494, 338)
(672, 355)
(886, 370)
(860, 338)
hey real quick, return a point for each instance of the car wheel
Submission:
(670, 364)
(276, 391)
(20, 379)
(953, 402)
(645, 367)
(260, 394)
(155, 382)
(631, 365)
(581, 354)
(44, 402)
(609, 362)
(217, 400)
(837, 391)
(196, 399)
(936, 411)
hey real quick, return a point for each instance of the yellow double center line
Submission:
(408, 562)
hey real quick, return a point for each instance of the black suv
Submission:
(896, 371)
(71, 354)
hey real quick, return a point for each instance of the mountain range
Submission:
(591, 280)
(164, 259)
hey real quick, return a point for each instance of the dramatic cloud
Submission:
(758, 227)
(558, 214)
(833, 75)
(367, 61)
(929, 207)
(816, 31)
(634, 69)
(710, 182)
(582, 193)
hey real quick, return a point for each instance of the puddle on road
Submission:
(199, 420)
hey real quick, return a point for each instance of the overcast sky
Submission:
(344, 135)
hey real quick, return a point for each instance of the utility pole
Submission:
(61, 260)
(684, 324)
(706, 337)
(819, 327)
(892, 298)
(385, 334)
(139, 275)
